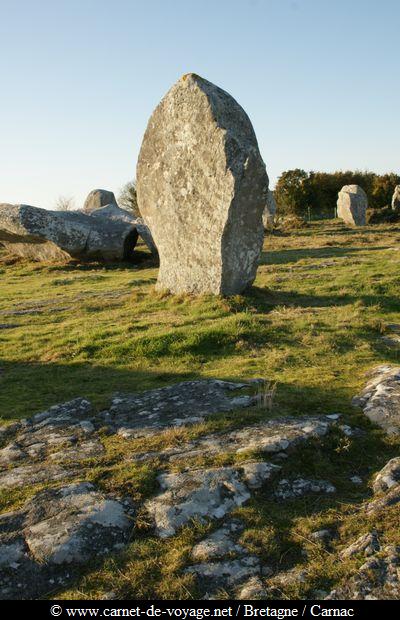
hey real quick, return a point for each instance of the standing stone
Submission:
(352, 205)
(396, 198)
(98, 198)
(269, 211)
(202, 187)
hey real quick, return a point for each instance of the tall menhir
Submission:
(201, 188)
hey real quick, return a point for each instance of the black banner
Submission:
(200, 610)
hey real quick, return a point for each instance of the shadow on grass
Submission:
(267, 299)
(27, 388)
(283, 257)
(369, 229)
(139, 259)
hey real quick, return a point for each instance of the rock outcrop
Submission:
(203, 479)
(211, 493)
(380, 399)
(43, 544)
(269, 211)
(379, 576)
(98, 198)
(352, 205)
(46, 540)
(388, 477)
(288, 490)
(201, 187)
(396, 198)
(40, 234)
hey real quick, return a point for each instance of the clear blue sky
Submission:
(319, 79)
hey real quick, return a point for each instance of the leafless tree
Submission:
(65, 203)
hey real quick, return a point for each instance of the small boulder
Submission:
(98, 198)
(388, 477)
(367, 544)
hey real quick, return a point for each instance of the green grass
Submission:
(311, 323)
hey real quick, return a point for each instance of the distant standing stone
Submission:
(98, 198)
(269, 211)
(396, 198)
(352, 205)
(201, 187)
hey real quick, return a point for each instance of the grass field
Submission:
(311, 324)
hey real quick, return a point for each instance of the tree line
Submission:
(314, 194)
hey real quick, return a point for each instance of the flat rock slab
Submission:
(380, 399)
(225, 574)
(276, 437)
(146, 413)
(56, 531)
(220, 543)
(63, 432)
(386, 487)
(73, 524)
(222, 562)
(204, 493)
(28, 475)
(389, 499)
(292, 489)
(67, 434)
(251, 590)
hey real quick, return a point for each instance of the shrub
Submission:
(292, 222)
(386, 215)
